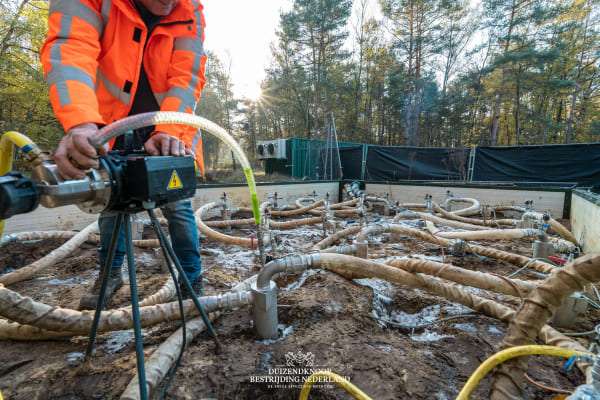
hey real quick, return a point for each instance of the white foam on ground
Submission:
(466, 327)
(425, 316)
(117, 341)
(456, 309)
(238, 260)
(494, 330)
(63, 282)
(284, 331)
(383, 293)
(429, 336)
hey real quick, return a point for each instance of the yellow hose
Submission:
(338, 380)
(509, 354)
(26, 145)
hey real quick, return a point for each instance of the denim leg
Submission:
(184, 236)
(106, 223)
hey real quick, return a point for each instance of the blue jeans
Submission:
(183, 231)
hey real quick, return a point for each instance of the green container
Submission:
(303, 159)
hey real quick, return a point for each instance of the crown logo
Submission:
(299, 359)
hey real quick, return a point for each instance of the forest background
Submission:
(431, 73)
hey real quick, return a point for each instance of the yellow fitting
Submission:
(26, 145)
(509, 354)
(338, 380)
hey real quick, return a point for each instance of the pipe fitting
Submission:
(227, 301)
(265, 291)
(542, 249)
(289, 264)
(363, 236)
(458, 248)
(265, 310)
(405, 214)
(346, 249)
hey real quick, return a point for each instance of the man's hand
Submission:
(75, 154)
(166, 145)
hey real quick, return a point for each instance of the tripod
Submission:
(123, 219)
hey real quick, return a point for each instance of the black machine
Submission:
(125, 184)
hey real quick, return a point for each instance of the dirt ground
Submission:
(331, 321)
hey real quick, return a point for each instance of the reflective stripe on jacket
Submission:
(94, 51)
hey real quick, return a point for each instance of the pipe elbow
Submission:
(363, 236)
(289, 264)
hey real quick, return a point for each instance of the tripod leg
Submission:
(166, 245)
(112, 248)
(135, 310)
(169, 378)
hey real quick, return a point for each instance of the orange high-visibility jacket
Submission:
(93, 54)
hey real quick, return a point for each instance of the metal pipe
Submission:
(291, 264)
(265, 291)
(348, 249)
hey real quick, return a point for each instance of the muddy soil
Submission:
(326, 322)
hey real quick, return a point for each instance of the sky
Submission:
(241, 32)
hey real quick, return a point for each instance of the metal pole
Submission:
(471, 171)
(105, 272)
(135, 310)
(363, 168)
(337, 145)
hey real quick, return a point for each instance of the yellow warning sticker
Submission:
(175, 182)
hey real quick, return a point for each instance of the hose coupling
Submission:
(458, 248)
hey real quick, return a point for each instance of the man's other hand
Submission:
(75, 155)
(166, 145)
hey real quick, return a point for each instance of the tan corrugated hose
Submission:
(535, 312)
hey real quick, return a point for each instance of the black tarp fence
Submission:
(385, 163)
(573, 163)
(352, 161)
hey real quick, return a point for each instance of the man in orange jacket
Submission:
(106, 59)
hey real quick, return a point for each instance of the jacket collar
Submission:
(184, 11)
